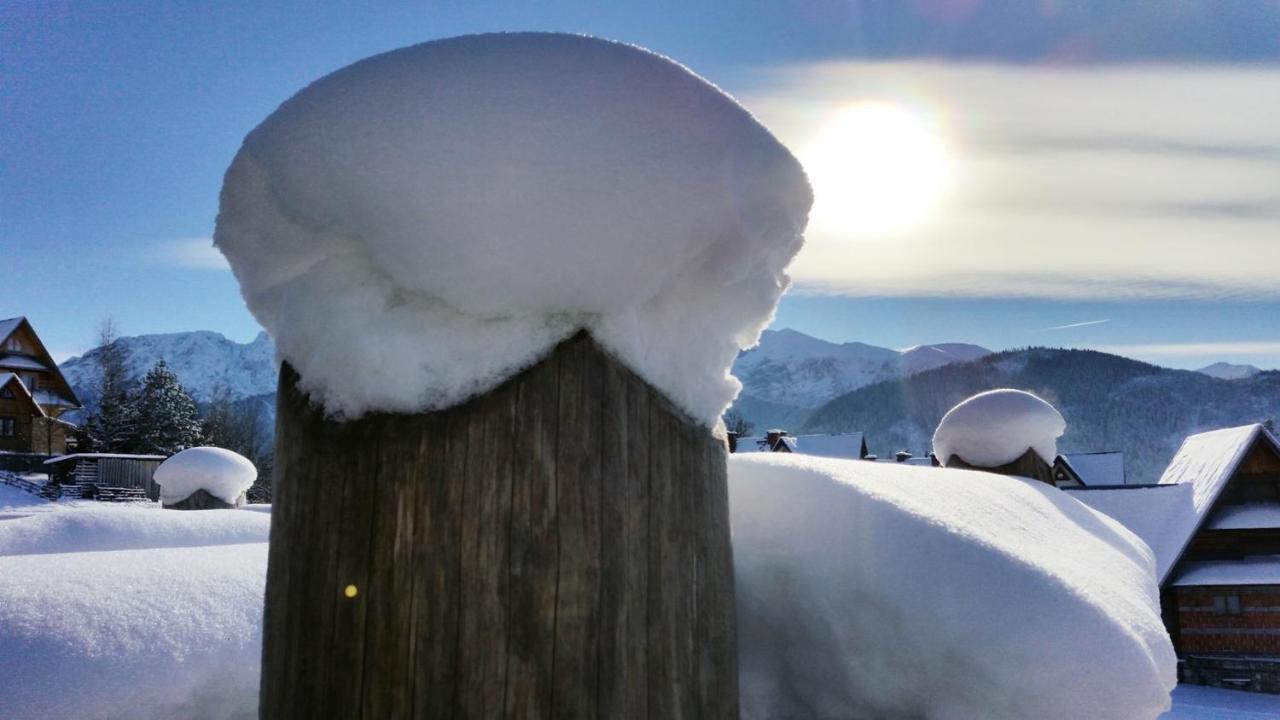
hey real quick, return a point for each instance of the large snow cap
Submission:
(220, 472)
(417, 227)
(996, 427)
(875, 590)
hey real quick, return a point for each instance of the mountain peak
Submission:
(1229, 371)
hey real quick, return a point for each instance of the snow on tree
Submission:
(167, 420)
(996, 427)
(420, 226)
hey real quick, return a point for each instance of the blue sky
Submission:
(1109, 160)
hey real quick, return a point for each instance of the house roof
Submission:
(21, 362)
(847, 446)
(751, 445)
(9, 326)
(1162, 515)
(1248, 516)
(99, 456)
(7, 377)
(1258, 570)
(1207, 460)
(1169, 514)
(1105, 468)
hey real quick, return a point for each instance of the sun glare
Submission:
(877, 169)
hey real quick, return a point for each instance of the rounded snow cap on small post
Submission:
(204, 478)
(996, 428)
(420, 226)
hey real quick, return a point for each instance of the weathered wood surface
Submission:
(1029, 465)
(557, 548)
(199, 500)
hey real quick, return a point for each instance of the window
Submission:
(6, 393)
(6, 427)
(31, 380)
(1226, 605)
(13, 344)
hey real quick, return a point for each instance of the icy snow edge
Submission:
(416, 228)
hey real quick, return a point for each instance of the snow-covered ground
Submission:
(128, 611)
(1192, 702)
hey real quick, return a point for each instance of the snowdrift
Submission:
(417, 227)
(166, 631)
(875, 590)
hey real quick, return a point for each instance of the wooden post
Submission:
(556, 548)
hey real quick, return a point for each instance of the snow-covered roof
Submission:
(1162, 515)
(8, 325)
(751, 445)
(21, 362)
(1260, 570)
(1104, 468)
(848, 446)
(1248, 516)
(44, 396)
(99, 456)
(8, 377)
(1207, 460)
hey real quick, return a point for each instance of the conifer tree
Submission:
(112, 427)
(167, 421)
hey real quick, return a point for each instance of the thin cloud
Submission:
(193, 253)
(1201, 349)
(1086, 323)
(1063, 187)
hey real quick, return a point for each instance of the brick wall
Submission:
(1230, 619)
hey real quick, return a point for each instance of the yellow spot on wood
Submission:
(350, 591)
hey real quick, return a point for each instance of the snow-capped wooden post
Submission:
(556, 548)
(507, 275)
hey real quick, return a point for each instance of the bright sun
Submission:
(877, 169)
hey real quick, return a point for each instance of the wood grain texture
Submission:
(558, 548)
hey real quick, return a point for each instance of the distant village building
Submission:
(1089, 469)
(1213, 523)
(847, 446)
(33, 393)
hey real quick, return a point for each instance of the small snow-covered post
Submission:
(204, 478)
(507, 275)
(1009, 432)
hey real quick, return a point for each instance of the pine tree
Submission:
(112, 427)
(166, 415)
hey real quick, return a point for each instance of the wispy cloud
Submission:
(1205, 349)
(1086, 323)
(194, 253)
(1064, 187)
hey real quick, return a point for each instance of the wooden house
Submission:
(33, 393)
(106, 476)
(1213, 523)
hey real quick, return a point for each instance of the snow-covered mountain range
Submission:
(206, 363)
(790, 373)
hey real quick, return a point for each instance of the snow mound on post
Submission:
(417, 227)
(872, 590)
(222, 473)
(996, 427)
